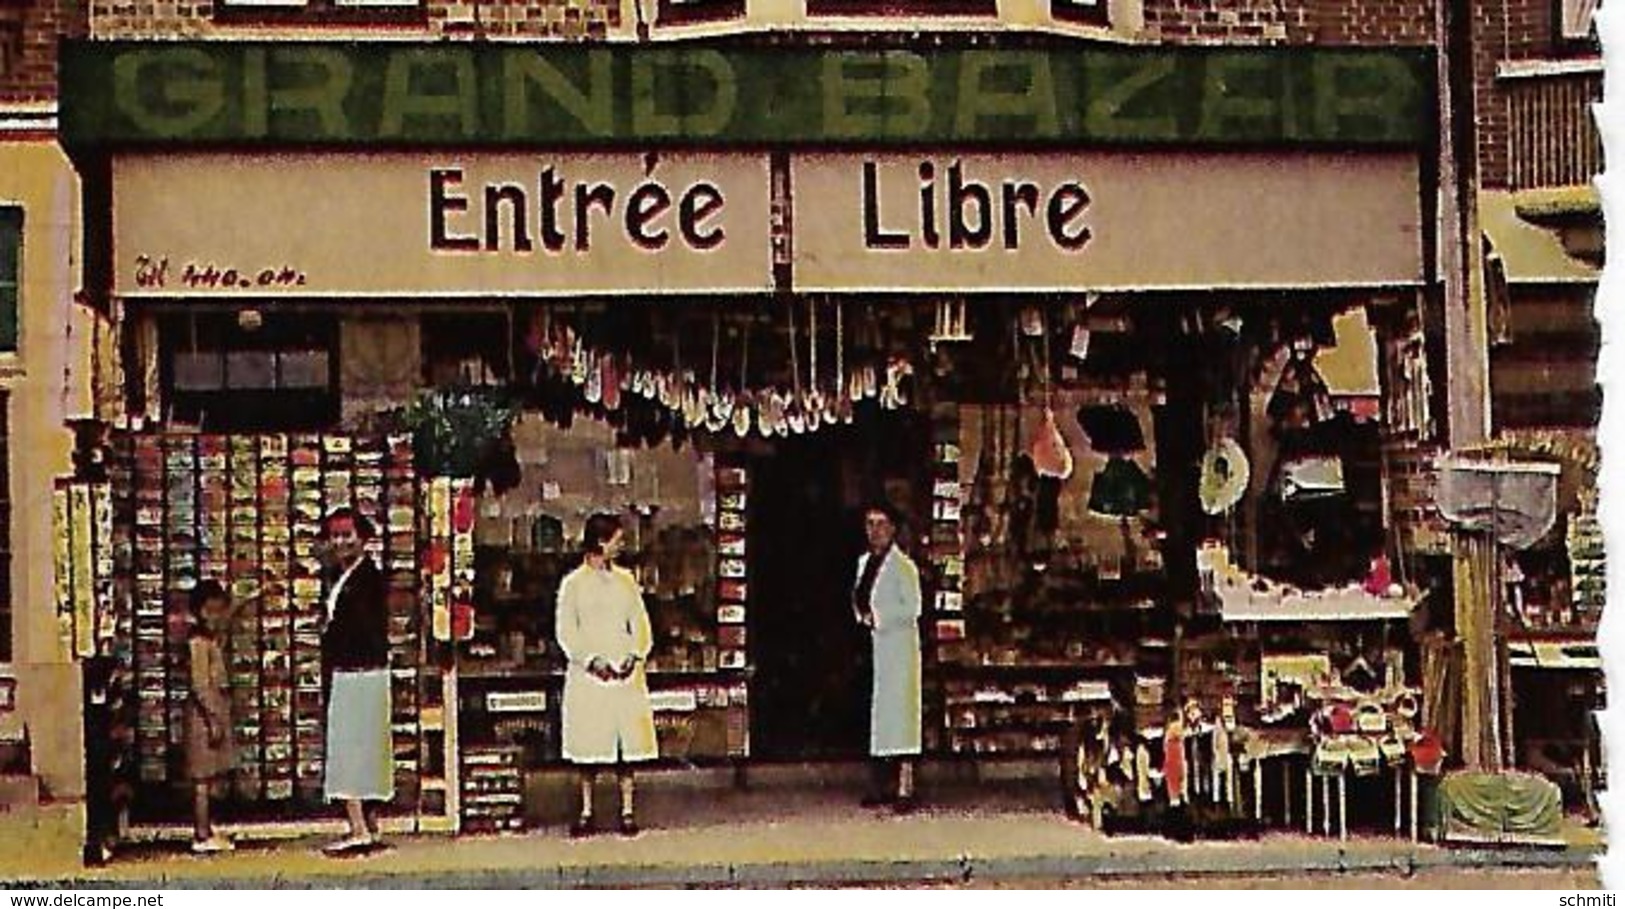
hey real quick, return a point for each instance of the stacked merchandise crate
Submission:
(946, 553)
(181, 562)
(385, 493)
(733, 500)
(276, 613)
(448, 581)
(1587, 567)
(82, 553)
(231, 502)
(492, 789)
(419, 686)
(732, 587)
(151, 630)
(121, 484)
(305, 471)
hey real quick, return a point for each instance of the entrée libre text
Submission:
(960, 213)
(644, 215)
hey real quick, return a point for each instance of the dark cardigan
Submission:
(357, 637)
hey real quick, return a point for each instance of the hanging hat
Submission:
(1112, 428)
(1225, 474)
(1121, 489)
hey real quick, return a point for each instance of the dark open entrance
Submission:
(810, 695)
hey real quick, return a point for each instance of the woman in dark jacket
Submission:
(355, 656)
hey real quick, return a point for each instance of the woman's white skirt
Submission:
(360, 754)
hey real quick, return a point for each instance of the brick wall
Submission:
(1508, 30)
(113, 19)
(1323, 22)
(28, 41)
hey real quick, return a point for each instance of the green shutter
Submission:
(11, 260)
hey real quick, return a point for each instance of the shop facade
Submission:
(1121, 334)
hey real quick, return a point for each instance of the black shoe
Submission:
(876, 801)
(629, 825)
(582, 827)
(905, 805)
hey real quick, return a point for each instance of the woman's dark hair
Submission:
(885, 508)
(363, 527)
(600, 529)
(202, 593)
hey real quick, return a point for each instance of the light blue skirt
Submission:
(360, 755)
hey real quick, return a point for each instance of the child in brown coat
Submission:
(209, 751)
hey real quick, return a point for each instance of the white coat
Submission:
(601, 615)
(894, 705)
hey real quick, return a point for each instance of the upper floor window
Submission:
(1089, 12)
(11, 267)
(322, 12)
(1575, 19)
(902, 7)
(688, 12)
(11, 43)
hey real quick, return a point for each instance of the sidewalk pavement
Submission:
(764, 836)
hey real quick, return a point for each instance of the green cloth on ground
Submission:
(1507, 805)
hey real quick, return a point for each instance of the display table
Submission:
(1335, 758)
(1267, 743)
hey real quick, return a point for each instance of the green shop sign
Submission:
(409, 94)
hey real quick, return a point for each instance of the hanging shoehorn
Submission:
(743, 400)
(843, 397)
(720, 409)
(817, 413)
(794, 414)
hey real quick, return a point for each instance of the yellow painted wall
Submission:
(48, 378)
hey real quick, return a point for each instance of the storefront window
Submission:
(221, 370)
(11, 257)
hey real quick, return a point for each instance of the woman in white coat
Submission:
(886, 600)
(604, 630)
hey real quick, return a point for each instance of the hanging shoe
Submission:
(582, 827)
(595, 382)
(351, 843)
(580, 364)
(742, 415)
(212, 846)
(628, 825)
(612, 384)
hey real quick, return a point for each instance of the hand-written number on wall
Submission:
(155, 274)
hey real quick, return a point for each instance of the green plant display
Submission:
(453, 429)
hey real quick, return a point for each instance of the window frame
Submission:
(1560, 23)
(12, 245)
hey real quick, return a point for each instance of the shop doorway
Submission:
(810, 695)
